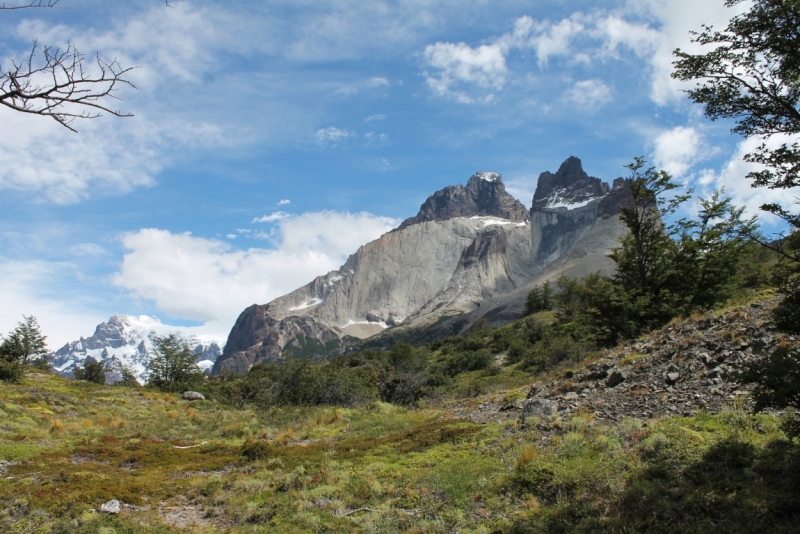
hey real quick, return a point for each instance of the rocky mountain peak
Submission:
(484, 196)
(570, 187)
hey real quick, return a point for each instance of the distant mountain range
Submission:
(471, 252)
(125, 340)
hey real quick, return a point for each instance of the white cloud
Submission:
(272, 217)
(589, 94)
(678, 149)
(376, 117)
(203, 279)
(732, 178)
(378, 81)
(522, 188)
(331, 136)
(22, 283)
(484, 66)
(284, 201)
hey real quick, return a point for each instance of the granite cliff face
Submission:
(470, 252)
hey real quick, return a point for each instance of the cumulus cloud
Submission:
(203, 279)
(732, 178)
(678, 149)
(331, 136)
(458, 63)
(272, 217)
(590, 94)
(23, 283)
(284, 201)
(376, 117)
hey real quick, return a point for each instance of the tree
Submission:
(173, 365)
(59, 83)
(664, 270)
(752, 75)
(91, 371)
(539, 299)
(24, 343)
(777, 383)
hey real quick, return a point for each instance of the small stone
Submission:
(618, 376)
(193, 396)
(672, 377)
(570, 395)
(111, 507)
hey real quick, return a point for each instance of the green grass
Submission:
(379, 468)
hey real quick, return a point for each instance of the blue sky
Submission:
(271, 139)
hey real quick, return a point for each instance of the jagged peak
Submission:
(570, 187)
(488, 176)
(484, 195)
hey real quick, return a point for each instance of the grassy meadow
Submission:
(208, 467)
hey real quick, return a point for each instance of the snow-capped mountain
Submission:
(125, 340)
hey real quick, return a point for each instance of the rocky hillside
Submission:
(125, 340)
(470, 252)
(683, 369)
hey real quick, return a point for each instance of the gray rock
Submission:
(571, 396)
(618, 376)
(672, 377)
(538, 408)
(111, 507)
(193, 396)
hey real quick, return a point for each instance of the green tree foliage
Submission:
(25, 344)
(665, 270)
(777, 383)
(173, 367)
(128, 378)
(752, 75)
(540, 298)
(90, 371)
(306, 383)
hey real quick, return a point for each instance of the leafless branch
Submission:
(35, 3)
(55, 83)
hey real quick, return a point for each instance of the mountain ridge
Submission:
(458, 254)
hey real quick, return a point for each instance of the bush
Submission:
(777, 383)
(173, 367)
(91, 371)
(11, 371)
(539, 299)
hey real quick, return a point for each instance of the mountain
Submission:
(128, 340)
(471, 252)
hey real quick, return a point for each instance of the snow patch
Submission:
(560, 202)
(307, 304)
(379, 323)
(488, 176)
(488, 221)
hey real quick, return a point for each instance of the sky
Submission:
(271, 139)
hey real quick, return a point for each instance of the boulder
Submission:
(111, 507)
(618, 376)
(543, 408)
(193, 396)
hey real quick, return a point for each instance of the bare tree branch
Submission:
(35, 3)
(55, 83)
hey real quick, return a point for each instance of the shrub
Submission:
(11, 371)
(91, 371)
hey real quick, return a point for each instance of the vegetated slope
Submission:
(472, 251)
(125, 340)
(607, 462)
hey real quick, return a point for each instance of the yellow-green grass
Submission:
(378, 468)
